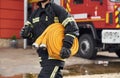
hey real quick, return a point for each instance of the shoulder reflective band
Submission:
(37, 19)
(29, 23)
(67, 20)
(70, 35)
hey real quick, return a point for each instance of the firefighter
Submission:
(47, 14)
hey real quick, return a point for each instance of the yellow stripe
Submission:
(117, 26)
(116, 20)
(54, 72)
(62, 2)
(116, 13)
(40, 59)
(36, 19)
(115, 6)
(46, 19)
(71, 35)
(67, 20)
(55, 58)
(68, 7)
(69, 1)
(82, 20)
(56, 20)
(107, 17)
(29, 23)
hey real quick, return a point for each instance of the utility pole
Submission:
(25, 19)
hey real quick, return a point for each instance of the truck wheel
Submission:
(118, 53)
(87, 47)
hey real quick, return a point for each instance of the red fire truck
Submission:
(99, 25)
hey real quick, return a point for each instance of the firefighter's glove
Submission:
(67, 44)
(65, 53)
(25, 32)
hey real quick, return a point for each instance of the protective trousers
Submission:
(51, 68)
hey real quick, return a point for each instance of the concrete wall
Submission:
(7, 43)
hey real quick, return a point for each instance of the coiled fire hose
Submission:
(52, 38)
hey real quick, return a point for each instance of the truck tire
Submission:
(87, 47)
(118, 53)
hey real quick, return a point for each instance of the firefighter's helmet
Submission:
(32, 1)
(43, 0)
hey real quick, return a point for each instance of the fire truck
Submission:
(99, 25)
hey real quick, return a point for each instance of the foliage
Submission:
(13, 37)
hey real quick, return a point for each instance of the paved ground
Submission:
(17, 61)
(20, 61)
(110, 75)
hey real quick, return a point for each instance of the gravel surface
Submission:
(110, 75)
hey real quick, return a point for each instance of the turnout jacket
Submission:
(41, 18)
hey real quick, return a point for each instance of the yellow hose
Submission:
(52, 37)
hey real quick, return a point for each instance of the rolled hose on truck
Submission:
(53, 37)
